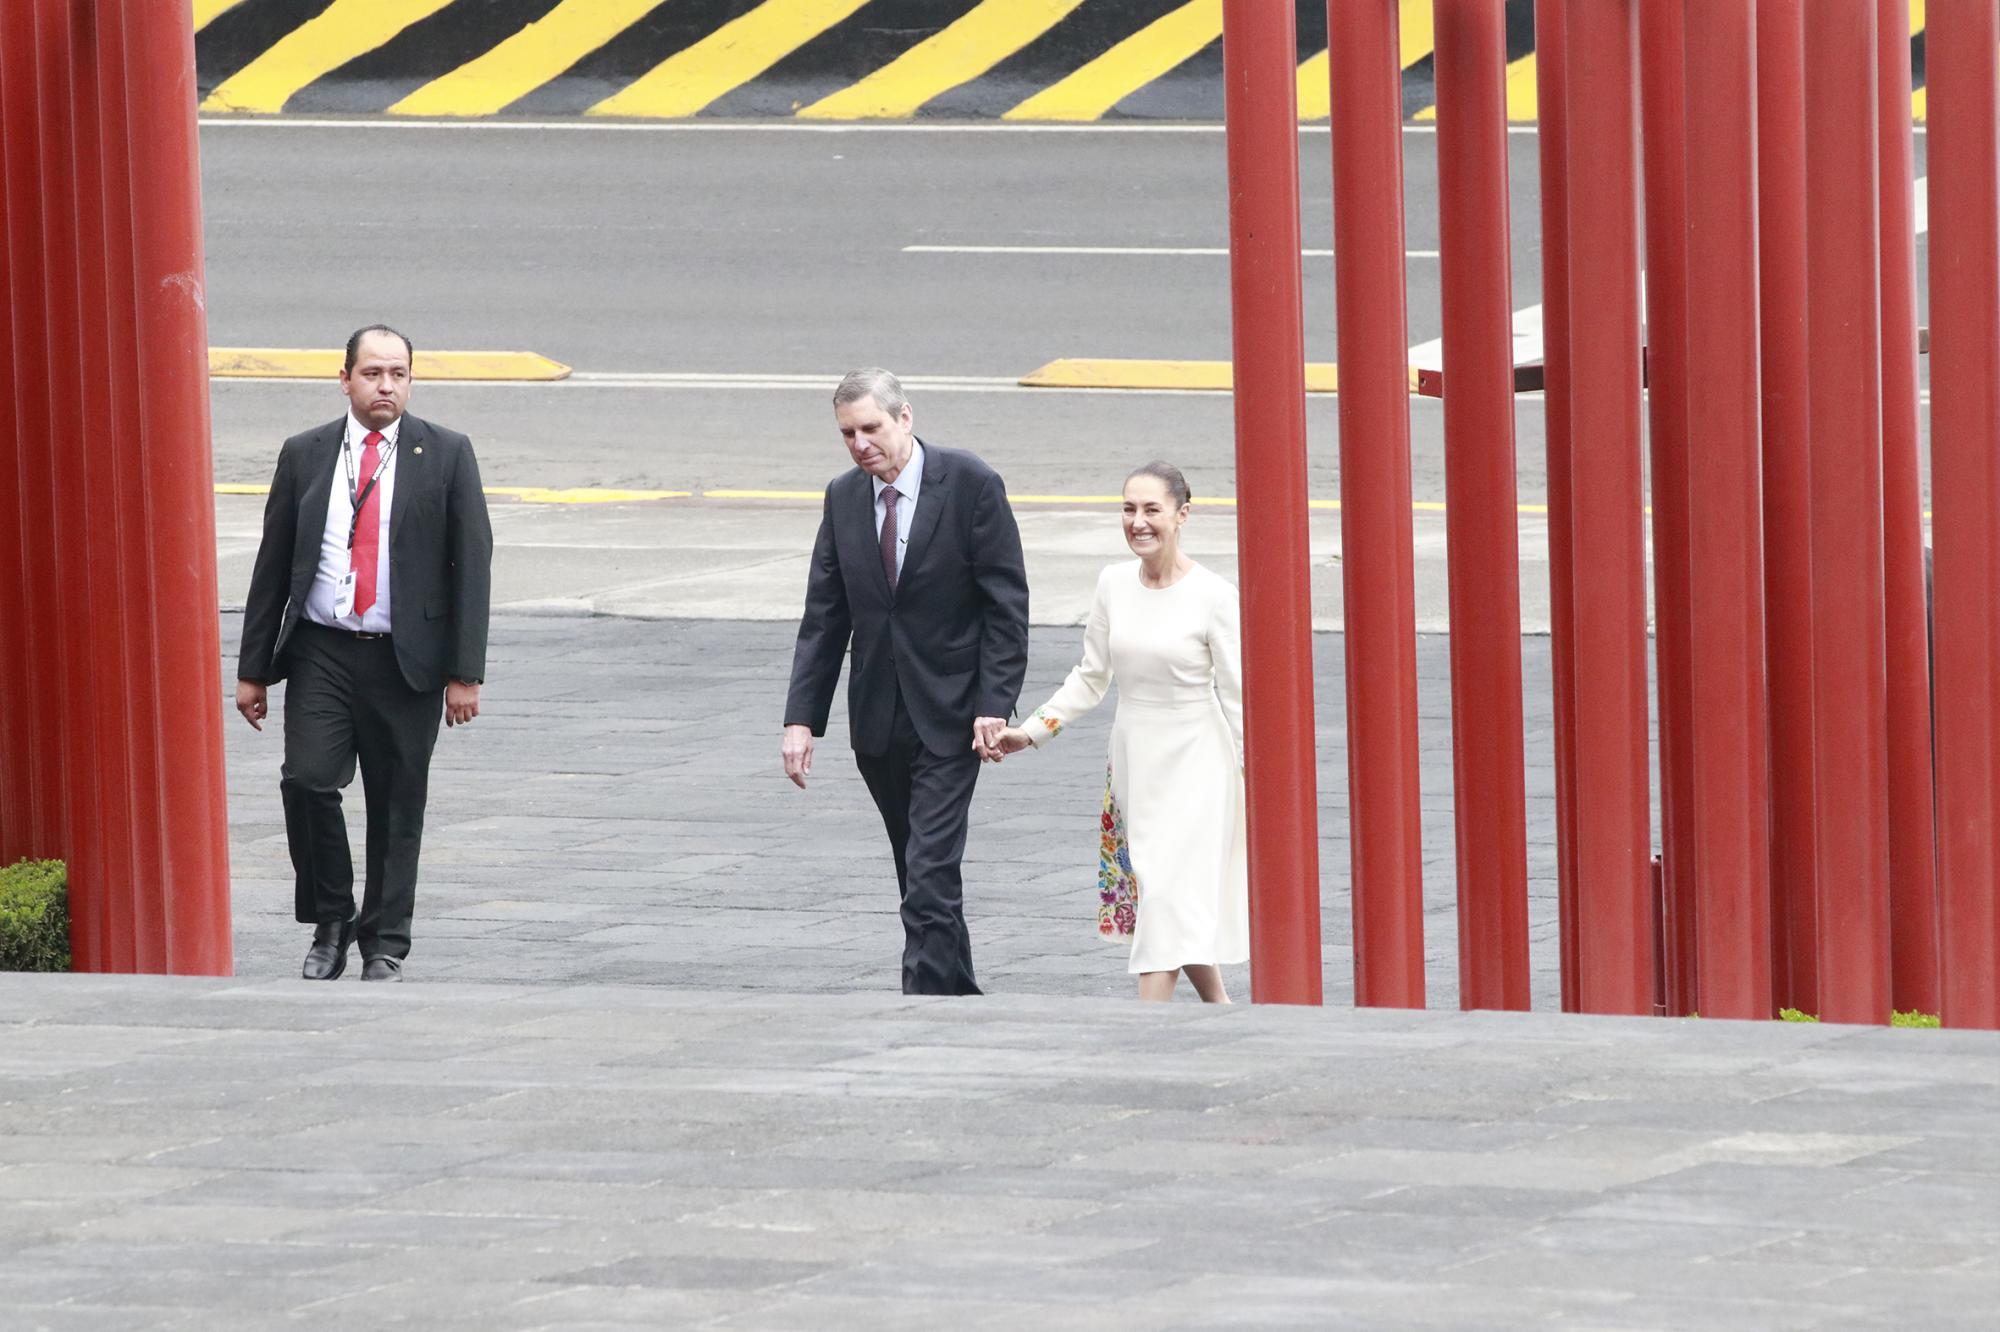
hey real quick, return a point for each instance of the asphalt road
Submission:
(761, 250)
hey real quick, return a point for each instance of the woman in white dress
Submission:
(1172, 872)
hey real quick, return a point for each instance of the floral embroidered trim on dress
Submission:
(1117, 886)
(1053, 725)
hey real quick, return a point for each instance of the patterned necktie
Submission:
(367, 532)
(889, 498)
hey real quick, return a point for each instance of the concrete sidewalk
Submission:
(220, 1155)
(619, 814)
(651, 1071)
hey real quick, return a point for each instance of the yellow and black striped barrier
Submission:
(829, 60)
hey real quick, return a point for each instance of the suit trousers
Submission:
(925, 800)
(346, 701)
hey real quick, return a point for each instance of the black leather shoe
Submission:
(383, 968)
(327, 957)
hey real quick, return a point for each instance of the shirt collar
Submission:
(357, 432)
(908, 481)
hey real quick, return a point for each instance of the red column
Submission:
(1613, 836)
(103, 941)
(67, 485)
(110, 728)
(36, 825)
(1730, 752)
(1964, 167)
(1268, 322)
(183, 925)
(1913, 935)
(16, 814)
(1378, 579)
(1781, 232)
(1843, 311)
(1481, 516)
(1552, 122)
(1662, 101)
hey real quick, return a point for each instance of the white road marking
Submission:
(1145, 250)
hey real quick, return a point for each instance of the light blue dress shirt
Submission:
(908, 482)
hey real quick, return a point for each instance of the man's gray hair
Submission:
(872, 382)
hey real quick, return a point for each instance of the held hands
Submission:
(461, 703)
(996, 741)
(986, 738)
(253, 700)
(798, 753)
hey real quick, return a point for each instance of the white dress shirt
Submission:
(907, 483)
(333, 554)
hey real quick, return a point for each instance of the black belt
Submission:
(351, 633)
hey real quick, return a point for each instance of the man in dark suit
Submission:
(370, 593)
(918, 565)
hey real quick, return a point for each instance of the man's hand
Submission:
(986, 737)
(798, 754)
(461, 703)
(253, 700)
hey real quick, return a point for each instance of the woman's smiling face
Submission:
(1152, 519)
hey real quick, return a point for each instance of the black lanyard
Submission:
(360, 497)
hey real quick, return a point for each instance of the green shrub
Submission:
(1793, 1015)
(34, 916)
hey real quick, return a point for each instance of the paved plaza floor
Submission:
(651, 1070)
(619, 813)
(221, 1155)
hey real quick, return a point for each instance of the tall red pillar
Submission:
(1551, 103)
(1613, 814)
(1913, 909)
(1268, 329)
(1964, 165)
(1664, 134)
(1378, 575)
(16, 814)
(1729, 751)
(1781, 240)
(1483, 537)
(66, 486)
(111, 747)
(190, 835)
(1844, 466)
(33, 812)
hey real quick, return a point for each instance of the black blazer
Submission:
(440, 555)
(953, 638)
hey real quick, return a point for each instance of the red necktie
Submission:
(368, 532)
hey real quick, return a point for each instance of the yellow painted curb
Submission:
(584, 495)
(312, 363)
(1119, 373)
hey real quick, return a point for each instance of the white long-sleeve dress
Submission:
(1172, 870)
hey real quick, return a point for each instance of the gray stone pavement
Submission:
(651, 1071)
(247, 1155)
(618, 813)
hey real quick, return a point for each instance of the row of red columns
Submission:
(110, 698)
(1794, 691)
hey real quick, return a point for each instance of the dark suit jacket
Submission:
(953, 638)
(440, 555)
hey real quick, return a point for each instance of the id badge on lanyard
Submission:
(343, 591)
